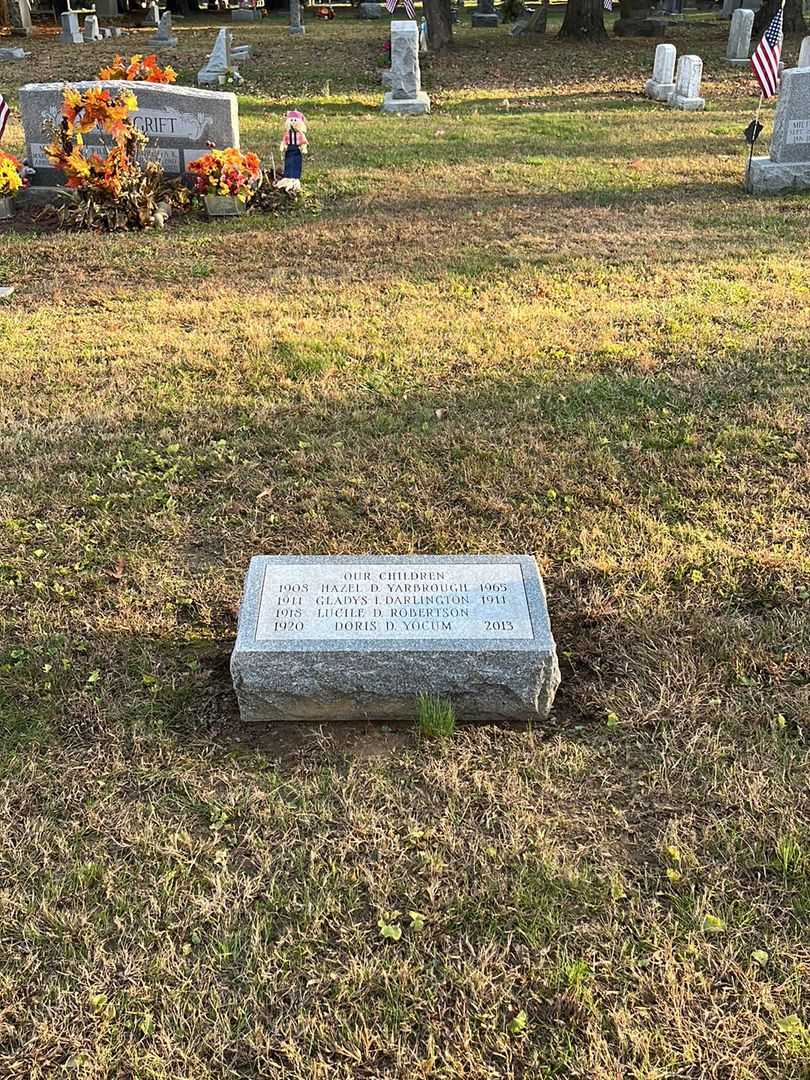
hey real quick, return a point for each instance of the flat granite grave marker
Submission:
(787, 168)
(354, 637)
(179, 121)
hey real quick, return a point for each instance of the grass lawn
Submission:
(543, 319)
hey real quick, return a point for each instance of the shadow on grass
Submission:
(477, 483)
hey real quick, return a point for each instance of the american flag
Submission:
(4, 111)
(767, 54)
(409, 8)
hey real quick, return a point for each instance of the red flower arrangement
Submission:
(226, 172)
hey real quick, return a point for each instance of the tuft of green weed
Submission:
(436, 717)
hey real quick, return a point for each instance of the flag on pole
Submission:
(4, 111)
(608, 5)
(409, 8)
(766, 57)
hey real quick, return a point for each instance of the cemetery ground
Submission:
(544, 319)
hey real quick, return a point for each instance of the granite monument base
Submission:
(688, 104)
(657, 91)
(768, 177)
(414, 106)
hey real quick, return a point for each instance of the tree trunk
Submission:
(440, 28)
(792, 21)
(584, 21)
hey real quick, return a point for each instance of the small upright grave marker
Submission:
(406, 94)
(71, 34)
(220, 62)
(91, 30)
(164, 38)
(739, 36)
(345, 637)
(687, 84)
(661, 86)
(485, 14)
(296, 19)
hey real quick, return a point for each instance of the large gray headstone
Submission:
(739, 36)
(687, 84)
(179, 121)
(406, 94)
(662, 84)
(788, 166)
(353, 637)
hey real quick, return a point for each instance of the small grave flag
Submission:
(409, 8)
(766, 57)
(607, 5)
(4, 112)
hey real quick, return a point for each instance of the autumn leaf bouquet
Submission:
(82, 111)
(112, 190)
(11, 175)
(139, 69)
(226, 172)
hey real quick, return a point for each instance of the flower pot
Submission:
(6, 207)
(223, 205)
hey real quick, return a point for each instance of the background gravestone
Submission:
(485, 14)
(346, 638)
(406, 94)
(164, 38)
(19, 13)
(71, 34)
(739, 36)
(687, 84)
(662, 84)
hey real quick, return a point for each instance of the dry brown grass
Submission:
(619, 338)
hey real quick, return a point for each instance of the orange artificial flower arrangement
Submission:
(226, 172)
(139, 69)
(82, 111)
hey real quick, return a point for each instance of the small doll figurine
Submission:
(293, 147)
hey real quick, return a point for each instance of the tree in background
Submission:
(440, 28)
(584, 20)
(792, 21)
